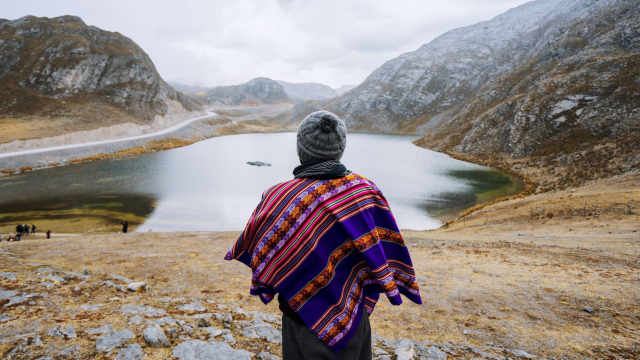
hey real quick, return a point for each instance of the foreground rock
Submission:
(113, 340)
(131, 352)
(216, 350)
(155, 337)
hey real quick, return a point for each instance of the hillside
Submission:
(259, 91)
(344, 88)
(60, 75)
(308, 91)
(553, 82)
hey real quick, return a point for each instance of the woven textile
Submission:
(330, 247)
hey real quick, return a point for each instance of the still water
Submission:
(209, 186)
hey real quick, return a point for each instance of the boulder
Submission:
(213, 331)
(155, 337)
(68, 331)
(431, 353)
(229, 338)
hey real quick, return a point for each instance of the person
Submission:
(33, 229)
(25, 228)
(19, 229)
(327, 244)
(125, 226)
(48, 234)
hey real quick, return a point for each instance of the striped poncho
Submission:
(330, 247)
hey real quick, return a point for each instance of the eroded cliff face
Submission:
(558, 80)
(60, 75)
(259, 91)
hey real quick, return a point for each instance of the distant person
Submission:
(327, 245)
(33, 229)
(19, 229)
(26, 229)
(48, 234)
(125, 227)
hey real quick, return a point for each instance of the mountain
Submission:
(60, 75)
(308, 91)
(555, 80)
(344, 88)
(189, 88)
(259, 91)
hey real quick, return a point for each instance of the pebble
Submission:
(113, 340)
(131, 352)
(90, 307)
(57, 279)
(588, 309)
(465, 332)
(155, 337)
(404, 350)
(68, 352)
(203, 322)
(225, 318)
(136, 320)
(121, 278)
(137, 286)
(215, 350)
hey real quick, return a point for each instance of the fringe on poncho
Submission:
(330, 247)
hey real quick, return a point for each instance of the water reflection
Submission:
(209, 186)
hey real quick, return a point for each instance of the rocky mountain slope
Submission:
(344, 88)
(259, 91)
(60, 75)
(556, 80)
(308, 91)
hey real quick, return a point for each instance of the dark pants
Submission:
(299, 343)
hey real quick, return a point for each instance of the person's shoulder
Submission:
(365, 181)
(277, 188)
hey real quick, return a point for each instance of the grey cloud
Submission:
(216, 42)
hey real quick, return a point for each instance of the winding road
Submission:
(73, 146)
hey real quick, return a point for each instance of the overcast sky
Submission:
(211, 42)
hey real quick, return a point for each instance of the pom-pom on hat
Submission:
(321, 135)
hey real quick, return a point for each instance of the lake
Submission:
(209, 185)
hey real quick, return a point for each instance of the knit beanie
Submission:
(321, 135)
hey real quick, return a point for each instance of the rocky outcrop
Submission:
(62, 70)
(259, 91)
(308, 91)
(550, 78)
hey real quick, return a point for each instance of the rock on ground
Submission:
(155, 337)
(431, 353)
(9, 276)
(216, 350)
(266, 356)
(131, 352)
(142, 310)
(104, 329)
(265, 331)
(404, 350)
(113, 340)
(195, 306)
(137, 286)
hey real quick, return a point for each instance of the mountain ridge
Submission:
(60, 75)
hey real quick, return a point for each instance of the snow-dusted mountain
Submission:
(546, 73)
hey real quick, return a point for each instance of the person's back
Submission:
(328, 245)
